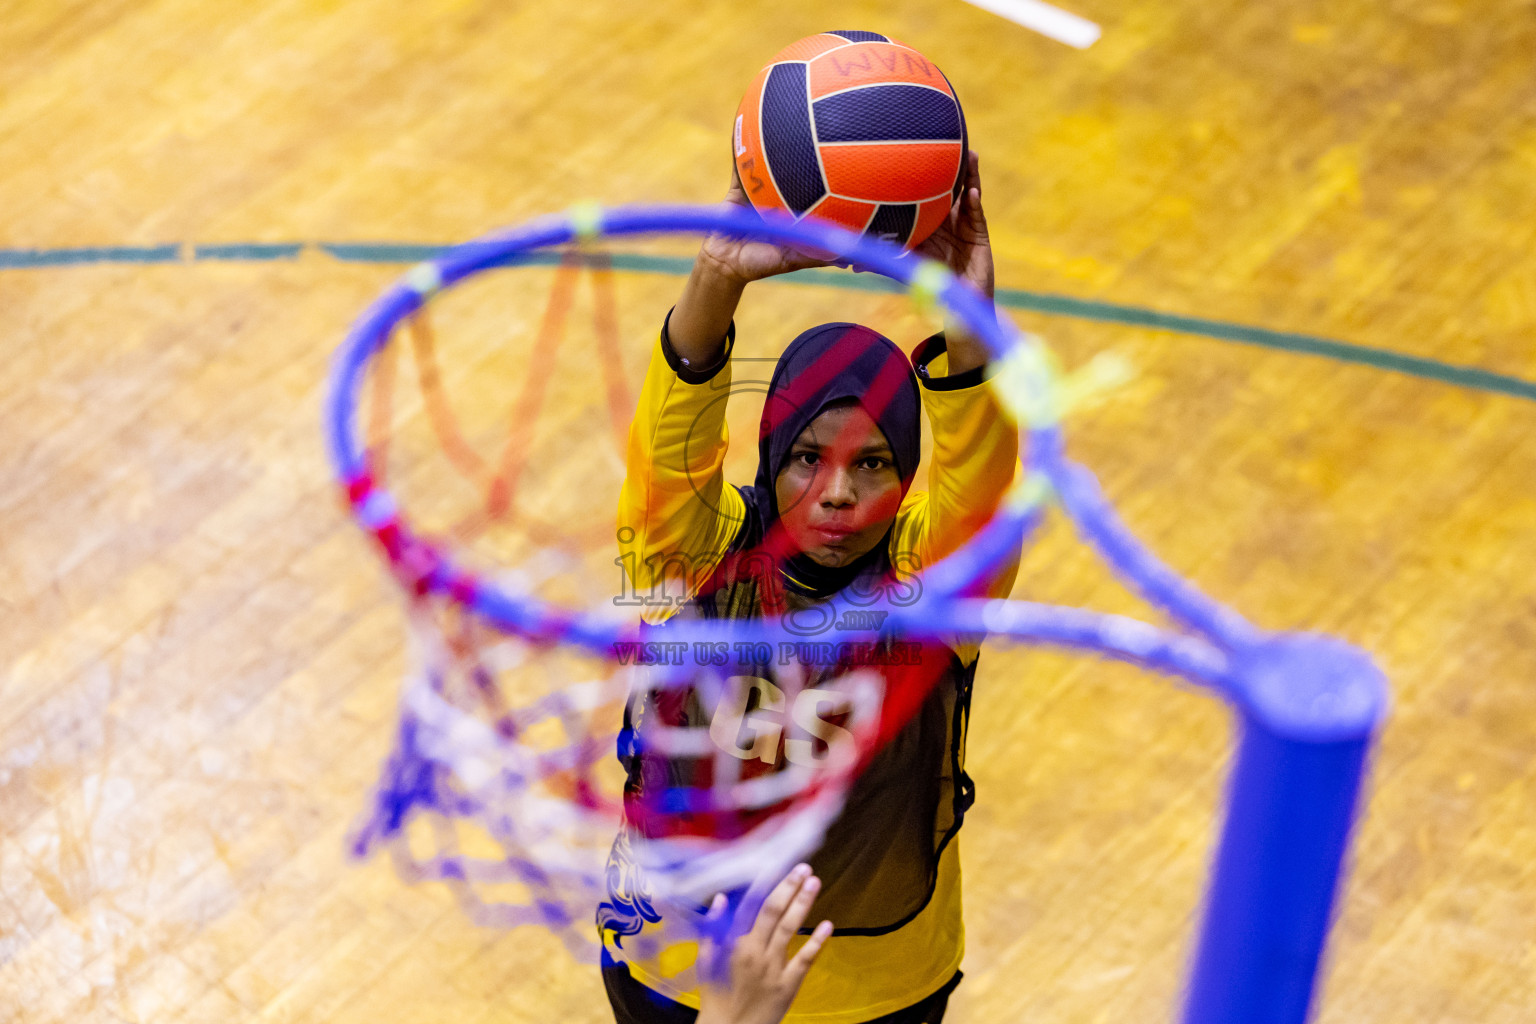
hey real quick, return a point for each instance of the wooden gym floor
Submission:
(198, 656)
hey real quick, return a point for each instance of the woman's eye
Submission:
(874, 463)
(807, 458)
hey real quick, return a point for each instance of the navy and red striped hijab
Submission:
(826, 366)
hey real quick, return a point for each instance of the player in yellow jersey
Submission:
(832, 509)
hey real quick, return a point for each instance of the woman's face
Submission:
(839, 489)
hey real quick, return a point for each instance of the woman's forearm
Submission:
(703, 312)
(965, 351)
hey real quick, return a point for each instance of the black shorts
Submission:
(633, 1003)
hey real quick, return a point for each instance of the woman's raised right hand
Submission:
(745, 260)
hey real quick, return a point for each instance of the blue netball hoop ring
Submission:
(1309, 706)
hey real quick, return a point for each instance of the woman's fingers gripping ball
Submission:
(745, 260)
(763, 978)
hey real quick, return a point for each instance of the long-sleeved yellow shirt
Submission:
(678, 519)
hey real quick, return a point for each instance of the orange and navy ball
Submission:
(854, 128)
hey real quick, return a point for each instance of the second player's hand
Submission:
(763, 982)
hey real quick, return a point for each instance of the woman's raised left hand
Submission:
(961, 242)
